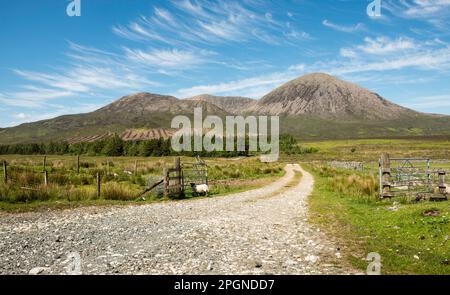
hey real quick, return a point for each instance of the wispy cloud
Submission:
(32, 97)
(88, 71)
(56, 111)
(435, 12)
(430, 103)
(191, 23)
(397, 54)
(173, 58)
(342, 28)
(384, 45)
(254, 87)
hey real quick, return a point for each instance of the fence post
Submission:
(107, 167)
(5, 171)
(135, 167)
(78, 164)
(45, 178)
(44, 163)
(178, 188)
(98, 185)
(166, 182)
(385, 176)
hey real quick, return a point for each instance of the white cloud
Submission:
(347, 52)
(435, 102)
(425, 8)
(51, 111)
(88, 73)
(384, 45)
(435, 12)
(163, 14)
(397, 54)
(165, 58)
(21, 116)
(254, 87)
(32, 97)
(342, 28)
(298, 68)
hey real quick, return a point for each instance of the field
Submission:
(369, 150)
(120, 182)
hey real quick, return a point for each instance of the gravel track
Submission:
(262, 231)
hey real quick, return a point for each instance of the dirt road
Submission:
(263, 231)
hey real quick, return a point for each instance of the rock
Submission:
(311, 258)
(338, 255)
(209, 267)
(431, 213)
(38, 270)
(416, 257)
(290, 262)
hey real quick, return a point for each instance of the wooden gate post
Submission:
(178, 182)
(385, 176)
(5, 171)
(442, 187)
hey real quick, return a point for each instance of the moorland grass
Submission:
(25, 189)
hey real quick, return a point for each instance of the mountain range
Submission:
(314, 106)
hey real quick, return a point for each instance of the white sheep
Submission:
(200, 189)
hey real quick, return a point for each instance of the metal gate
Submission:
(195, 173)
(410, 177)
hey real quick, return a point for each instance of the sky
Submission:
(53, 64)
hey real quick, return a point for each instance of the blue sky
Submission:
(52, 64)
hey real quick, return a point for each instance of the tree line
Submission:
(116, 147)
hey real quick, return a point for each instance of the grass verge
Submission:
(409, 240)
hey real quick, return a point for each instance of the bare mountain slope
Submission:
(325, 96)
(154, 103)
(231, 104)
(141, 110)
